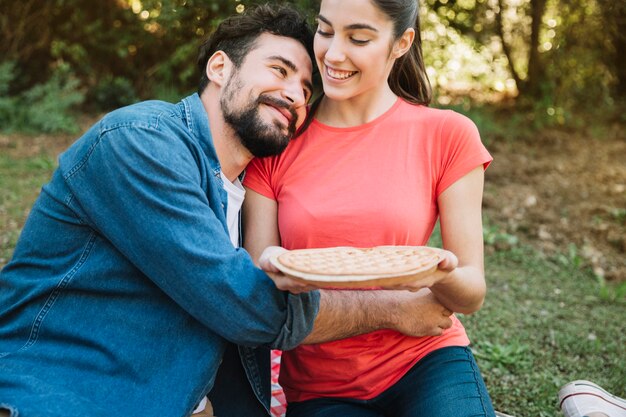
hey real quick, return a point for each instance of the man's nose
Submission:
(294, 93)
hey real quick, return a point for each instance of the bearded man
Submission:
(127, 288)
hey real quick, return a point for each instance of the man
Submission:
(125, 291)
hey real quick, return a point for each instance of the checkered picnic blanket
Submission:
(278, 406)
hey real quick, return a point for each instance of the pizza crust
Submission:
(359, 267)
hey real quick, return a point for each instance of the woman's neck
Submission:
(355, 111)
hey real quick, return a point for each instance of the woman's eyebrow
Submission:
(350, 27)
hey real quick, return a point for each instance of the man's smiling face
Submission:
(264, 100)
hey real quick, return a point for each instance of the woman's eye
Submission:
(324, 34)
(359, 41)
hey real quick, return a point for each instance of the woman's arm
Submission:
(463, 289)
(260, 224)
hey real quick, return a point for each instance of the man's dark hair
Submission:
(237, 34)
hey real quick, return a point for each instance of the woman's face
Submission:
(353, 44)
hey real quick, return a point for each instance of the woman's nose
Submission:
(335, 52)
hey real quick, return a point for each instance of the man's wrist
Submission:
(385, 309)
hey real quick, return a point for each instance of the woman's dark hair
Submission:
(237, 34)
(408, 78)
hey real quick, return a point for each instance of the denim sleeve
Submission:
(145, 191)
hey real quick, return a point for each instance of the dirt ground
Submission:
(562, 193)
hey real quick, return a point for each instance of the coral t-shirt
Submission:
(369, 185)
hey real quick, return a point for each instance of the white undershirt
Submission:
(236, 193)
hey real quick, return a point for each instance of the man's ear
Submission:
(218, 68)
(402, 45)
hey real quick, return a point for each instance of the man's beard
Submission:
(260, 138)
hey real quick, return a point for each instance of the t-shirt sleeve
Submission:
(461, 150)
(258, 177)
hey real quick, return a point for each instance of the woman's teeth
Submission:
(340, 75)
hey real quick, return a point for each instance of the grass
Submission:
(544, 324)
(545, 321)
(20, 182)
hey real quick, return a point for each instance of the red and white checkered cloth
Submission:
(278, 407)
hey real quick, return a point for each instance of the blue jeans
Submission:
(445, 383)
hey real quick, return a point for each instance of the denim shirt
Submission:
(125, 292)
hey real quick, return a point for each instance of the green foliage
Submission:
(490, 126)
(167, 93)
(498, 239)
(45, 107)
(619, 214)
(41, 163)
(112, 92)
(575, 69)
(7, 103)
(128, 50)
(611, 293)
(570, 260)
(493, 237)
(6, 76)
(513, 356)
(176, 75)
(524, 119)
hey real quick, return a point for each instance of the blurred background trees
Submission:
(553, 59)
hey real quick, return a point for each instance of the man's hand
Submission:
(419, 314)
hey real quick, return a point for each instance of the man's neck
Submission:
(232, 155)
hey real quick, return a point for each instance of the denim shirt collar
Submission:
(197, 121)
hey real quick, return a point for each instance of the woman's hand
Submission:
(448, 264)
(283, 282)
(267, 254)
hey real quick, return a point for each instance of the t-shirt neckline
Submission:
(367, 125)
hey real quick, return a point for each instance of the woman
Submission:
(376, 166)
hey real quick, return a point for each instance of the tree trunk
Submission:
(530, 86)
(619, 43)
(535, 64)
(506, 49)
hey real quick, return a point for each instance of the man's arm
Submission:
(140, 187)
(348, 313)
